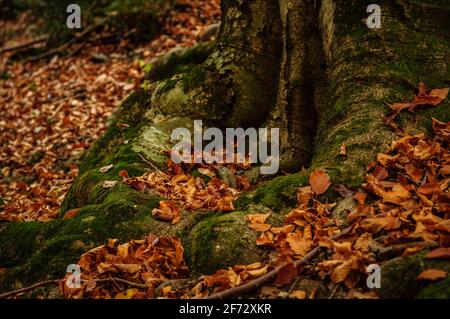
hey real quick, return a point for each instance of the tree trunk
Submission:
(311, 68)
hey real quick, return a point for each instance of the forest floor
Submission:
(53, 110)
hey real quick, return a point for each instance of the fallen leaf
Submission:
(344, 191)
(439, 253)
(320, 182)
(128, 294)
(71, 213)
(286, 275)
(257, 218)
(298, 294)
(432, 274)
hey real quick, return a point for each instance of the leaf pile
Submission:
(107, 271)
(410, 211)
(207, 191)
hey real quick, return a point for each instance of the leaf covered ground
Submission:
(401, 209)
(53, 110)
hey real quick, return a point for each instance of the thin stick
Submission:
(26, 289)
(23, 45)
(129, 283)
(235, 291)
(56, 281)
(65, 45)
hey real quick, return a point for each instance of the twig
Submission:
(65, 45)
(333, 292)
(56, 281)
(116, 279)
(235, 291)
(294, 284)
(23, 45)
(26, 289)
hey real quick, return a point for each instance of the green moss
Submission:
(399, 275)
(21, 240)
(221, 241)
(115, 144)
(179, 61)
(281, 191)
(440, 290)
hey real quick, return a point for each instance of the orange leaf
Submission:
(443, 253)
(286, 275)
(320, 182)
(123, 174)
(71, 213)
(432, 274)
(257, 218)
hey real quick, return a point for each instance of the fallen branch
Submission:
(67, 44)
(23, 45)
(123, 281)
(239, 290)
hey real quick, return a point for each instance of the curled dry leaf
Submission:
(167, 211)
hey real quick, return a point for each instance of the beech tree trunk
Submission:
(312, 68)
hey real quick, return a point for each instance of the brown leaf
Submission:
(341, 272)
(304, 195)
(71, 213)
(260, 227)
(167, 211)
(439, 253)
(380, 173)
(257, 218)
(299, 244)
(286, 275)
(320, 182)
(430, 188)
(225, 204)
(298, 294)
(343, 150)
(123, 174)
